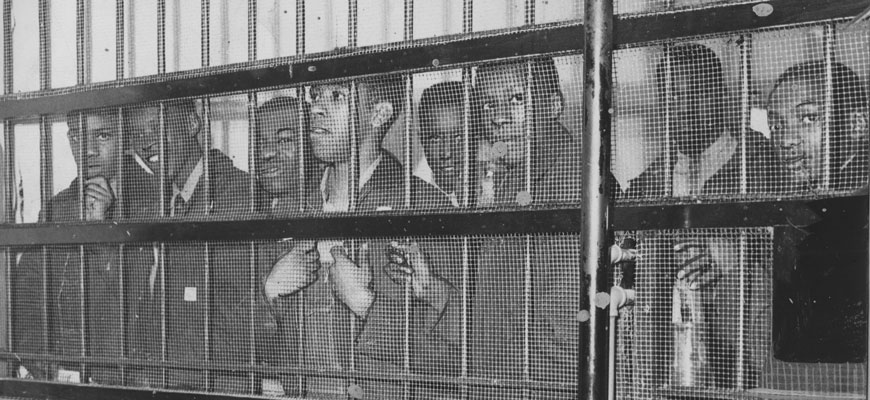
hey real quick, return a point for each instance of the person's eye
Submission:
(103, 135)
(285, 140)
(517, 99)
(810, 118)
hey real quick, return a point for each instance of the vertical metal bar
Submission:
(529, 125)
(463, 368)
(205, 32)
(7, 49)
(353, 174)
(163, 180)
(9, 256)
(82, 166)
(529, 16)
(81, 46)
(9, 176)
(120, 202)
(300, 27)
(162, 312)
(83, 308)
(409, 20)
(207, 305)
(527, 310)
(745, 108)
(122, 314)
(667, 102)
(119, 39)
(407, 159)
(829, 39)
(252, 301)
(352, 23)
(595, 191)
(252, 150)
(206, 154)
(175, 14)
(44, 311)
(300, 145)
(252, 30)
(467, 179)
(741, 321)
(161, 36)
(45, 168)
(44, 44)
(467, 16)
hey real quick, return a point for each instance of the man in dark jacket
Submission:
(704, 156)
(202, 283)
(115, 189)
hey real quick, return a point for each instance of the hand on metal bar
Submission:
(351, 282)
(295, 270)
(408, 264)
(702, 262)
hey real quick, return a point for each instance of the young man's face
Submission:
(443, 143)
(330, 123)
(502, 92)
(796, 117)
(143, 127)
(694, 110)
(278, 152)
(102, 144)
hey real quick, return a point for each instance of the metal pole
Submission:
(352, 23)
(161, 36)
(7, 50)
(745, 109)
(206, 297)
(81, 46)
(119, 39)
(529, 16)
(829, 38)
(44, 44)
(300, 27)
(252, 30)
(205, 33)
(595, 191)
(45, 170)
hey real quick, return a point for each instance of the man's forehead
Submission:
(93, 119)
(501, 77)
(280, 119)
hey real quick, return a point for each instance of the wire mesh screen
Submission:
(390, 318)
(763, 115)
(700, 325)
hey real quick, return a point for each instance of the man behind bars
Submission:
(367, 293)
(108, 177)
(704, 159)
(228, 196)
(820, 302)
(704, 155)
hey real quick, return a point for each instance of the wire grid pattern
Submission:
(640, 7)
(225, 317)
(677, 104)
(708, 341)
(797, 160)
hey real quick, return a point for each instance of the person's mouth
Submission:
(270, 171)
(320, 132)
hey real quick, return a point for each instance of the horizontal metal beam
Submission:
(625, 218)
(371, 226)
(733, 215)
(444, 52)
(730, 18)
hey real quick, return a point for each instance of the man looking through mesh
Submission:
(228, 196)
(704, 155)
(441, 118)
(106, 171)
(508, 119)
(820, 310)
(325, 272)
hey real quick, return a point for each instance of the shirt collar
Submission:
(186, 192)
(366, 176)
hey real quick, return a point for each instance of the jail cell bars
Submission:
(197, 316)
(751, 139)
(697, 335)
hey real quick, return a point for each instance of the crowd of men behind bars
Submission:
(383, 308)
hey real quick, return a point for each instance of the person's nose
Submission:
(93, 148)
(789, 139)
(267, 151)
(445, 152)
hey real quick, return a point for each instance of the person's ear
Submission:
(555, 105)
(382, 114)
(859, 126)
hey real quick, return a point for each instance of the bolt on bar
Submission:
(595, 191)
(745, 108)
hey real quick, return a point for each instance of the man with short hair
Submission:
(115, 189)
